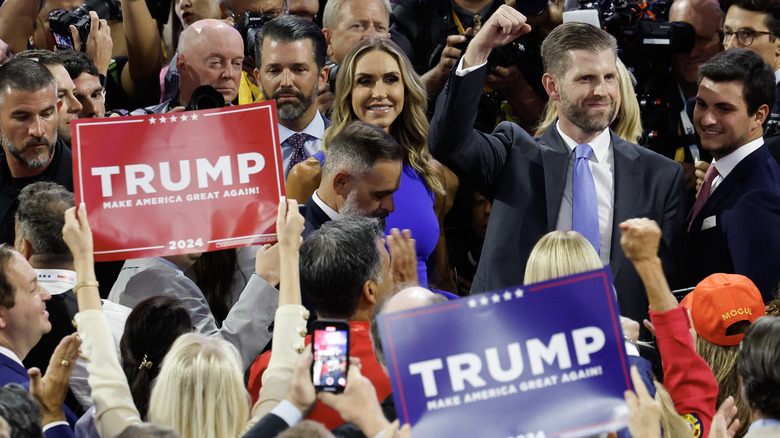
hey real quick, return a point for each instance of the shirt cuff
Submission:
(54, 424)
(460, 71)
(288, 412)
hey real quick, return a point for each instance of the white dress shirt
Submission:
(726, 164)
(602, 165)
(315, 130)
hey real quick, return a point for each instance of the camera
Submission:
(205, 97)
(60, 21)
(248, 27)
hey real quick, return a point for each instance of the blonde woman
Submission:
(377, 84)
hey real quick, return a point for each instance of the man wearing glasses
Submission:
(755, 25)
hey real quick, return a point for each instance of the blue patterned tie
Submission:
(297, 141)
(585, 206)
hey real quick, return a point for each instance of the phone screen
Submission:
(330, 345)
(63, 42)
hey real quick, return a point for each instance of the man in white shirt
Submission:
(290, 55)
(362, 172)
(735, 223)
(578, 175)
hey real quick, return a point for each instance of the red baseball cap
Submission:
(721, 300)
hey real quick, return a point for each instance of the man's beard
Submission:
(291, 110)
(36, 163)
(579, 116)
(352, 209)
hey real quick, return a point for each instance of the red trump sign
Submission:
(176, 183)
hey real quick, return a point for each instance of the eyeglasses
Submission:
(744, 36)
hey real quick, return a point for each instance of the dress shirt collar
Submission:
(11, 355)
(56, 281)
(726, 164)
(332, 214)
(777, 76)
(600, 144)
(315, 128)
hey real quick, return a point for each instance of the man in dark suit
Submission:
(290, 52)
(532, 183)
(23, 320)
(362, 172)
(735, 223)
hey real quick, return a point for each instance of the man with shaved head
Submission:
(211, 52)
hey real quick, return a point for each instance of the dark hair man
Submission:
(362, 172)
(290, 55)
(539, 184)
(757, 366)
(28, 128)
(70, 107)
(89, 90)
(345, 270)
(755, 25)
(735, 223)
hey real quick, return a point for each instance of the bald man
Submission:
(211, 52)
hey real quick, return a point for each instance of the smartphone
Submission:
(330, 346)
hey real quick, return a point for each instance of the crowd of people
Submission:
(437, 149)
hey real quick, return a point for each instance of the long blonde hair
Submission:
(628, 123)
(200, 389)
(410, 129)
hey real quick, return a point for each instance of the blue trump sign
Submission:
(545, 360)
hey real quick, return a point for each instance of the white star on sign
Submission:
(495, 298)
(152, 120)
(472, 303)
(163, 119)
(483, 301)
(194, 117)
(519, 293)
(183, 117)
(507, 296)
(173, 118)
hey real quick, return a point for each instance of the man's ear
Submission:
(329, 50)
(24, 247)
(761, 114)
(342, 184)
(324, 73)
(370, 291)
(256, 74)
(550, 84)
(180, 64)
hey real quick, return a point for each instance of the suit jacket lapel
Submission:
(555, 159)
(724, 189)
(628, 177)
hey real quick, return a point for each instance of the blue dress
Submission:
(414, 211)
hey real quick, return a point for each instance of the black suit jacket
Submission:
(314, 217)
(525, 180)
(742, 230)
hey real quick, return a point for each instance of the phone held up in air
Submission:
(330, 346)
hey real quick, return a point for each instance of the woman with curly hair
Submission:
(377, 84)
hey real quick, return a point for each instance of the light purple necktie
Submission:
(585, 206)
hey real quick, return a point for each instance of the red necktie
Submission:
(704, 192)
